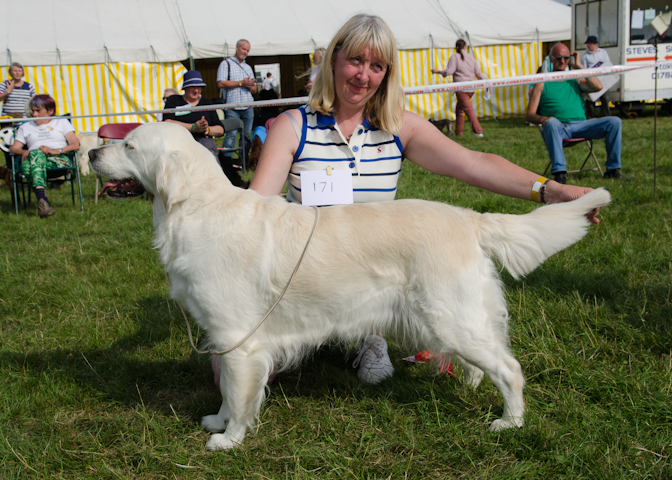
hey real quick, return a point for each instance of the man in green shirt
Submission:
(558, 106)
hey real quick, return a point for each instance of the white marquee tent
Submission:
(81, 50)
(75, 32)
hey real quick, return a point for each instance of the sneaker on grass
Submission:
(373, 361)
(44, 209)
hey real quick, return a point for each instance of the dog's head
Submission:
(157, 157)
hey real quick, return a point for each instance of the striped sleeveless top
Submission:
(373, 156)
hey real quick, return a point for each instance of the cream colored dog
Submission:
(419, 269)
(87, 141)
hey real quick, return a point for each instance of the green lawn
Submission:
(97, 378)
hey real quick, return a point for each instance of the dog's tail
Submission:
(523, 242)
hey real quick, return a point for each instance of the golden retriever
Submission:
(419, 269)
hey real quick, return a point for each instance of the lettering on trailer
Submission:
(640, 53)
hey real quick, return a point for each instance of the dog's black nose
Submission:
(93, 154)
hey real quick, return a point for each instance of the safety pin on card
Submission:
(326, 187)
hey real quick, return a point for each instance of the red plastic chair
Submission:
(113, 131)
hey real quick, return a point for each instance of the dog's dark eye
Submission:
(129, 146)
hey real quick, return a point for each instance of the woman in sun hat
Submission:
(202, 125)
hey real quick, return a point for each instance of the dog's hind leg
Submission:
(242, 383)
(505, 373)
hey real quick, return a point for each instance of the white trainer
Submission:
(373, 361)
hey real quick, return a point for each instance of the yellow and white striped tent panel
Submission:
(123, 87)
(496, 61)
(104, 88)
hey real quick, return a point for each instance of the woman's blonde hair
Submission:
(321, 52)
(385, 110)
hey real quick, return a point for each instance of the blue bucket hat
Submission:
(193, 79)
(591, 39)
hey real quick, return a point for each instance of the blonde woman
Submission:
(356, 121)
(318, 55)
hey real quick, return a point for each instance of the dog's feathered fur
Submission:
(417, 268)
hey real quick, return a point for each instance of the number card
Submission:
(319, 188)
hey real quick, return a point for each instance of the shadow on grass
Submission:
(142, 370)
(654, 331)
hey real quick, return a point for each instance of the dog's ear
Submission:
(172, 176)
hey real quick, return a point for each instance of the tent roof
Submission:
(97, 31)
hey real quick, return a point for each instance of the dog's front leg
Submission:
(217, 422)
(242, 381)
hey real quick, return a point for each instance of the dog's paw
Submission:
(213, 423)
(219, 441)
(503, 424)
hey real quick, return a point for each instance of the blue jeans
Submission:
(608, 128)
(247, 116)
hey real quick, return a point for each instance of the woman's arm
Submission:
(73, 142)
(200, 126)
(432, 150)
(276, 156)
(17, 148)
(9, 87)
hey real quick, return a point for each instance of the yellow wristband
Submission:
(534, 196)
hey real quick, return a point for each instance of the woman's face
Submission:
(192, 94)
(16, 73)
(317, 58)
(41, 112)
(357, 79)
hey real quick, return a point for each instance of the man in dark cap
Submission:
(596, 57)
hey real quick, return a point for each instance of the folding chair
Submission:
(71, 173)
(111, 132)
(569, 143)
(231, 124)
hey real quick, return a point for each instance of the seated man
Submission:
(558, 106)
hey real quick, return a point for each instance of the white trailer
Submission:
(623, 28)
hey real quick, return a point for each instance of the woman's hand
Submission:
(201, 125)
(48, 151)
(558, 193)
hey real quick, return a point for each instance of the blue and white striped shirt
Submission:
(373, 156)
(16, 101)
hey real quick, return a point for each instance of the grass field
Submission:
(97, 378)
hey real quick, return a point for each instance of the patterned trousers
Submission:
(35, 166)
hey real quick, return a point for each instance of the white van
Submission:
(623, 28)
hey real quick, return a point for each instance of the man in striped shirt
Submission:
(15, 92)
